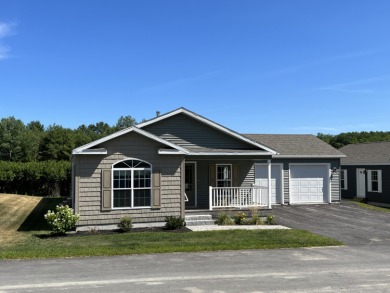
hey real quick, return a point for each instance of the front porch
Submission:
(239, 197)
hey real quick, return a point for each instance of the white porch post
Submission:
(210, 198)
(269, 184)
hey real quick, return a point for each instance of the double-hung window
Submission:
(132, 186)
(224, 175)
(374, 178)
(343, 180)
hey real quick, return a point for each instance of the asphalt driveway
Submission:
(345, 221)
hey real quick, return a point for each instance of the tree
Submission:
(57, 144)
(125, 122)
(12, 134)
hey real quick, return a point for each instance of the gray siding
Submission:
(246, 170)
(335, 181)
(132, 145)
(374, 197)
(190, 133)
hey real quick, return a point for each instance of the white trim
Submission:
(369, 181)
(345, 174)
(228, 154)
(132, 184)
(80, 150)
(171, 152)
(196, 179)
(269, 170)
(208, 122)
(327, 165)
(100, 151)
(280, 165)
(363, 195)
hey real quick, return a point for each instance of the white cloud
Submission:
(6, 29)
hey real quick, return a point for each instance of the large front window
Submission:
(132, 184)
(224, 175)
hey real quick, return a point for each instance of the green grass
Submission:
(22, 221)
(161, 242)
(371, 207)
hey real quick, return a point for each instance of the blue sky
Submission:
(254, 66)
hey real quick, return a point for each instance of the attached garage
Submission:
(309, 183)
(261, 179)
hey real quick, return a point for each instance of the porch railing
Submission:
(238, 197)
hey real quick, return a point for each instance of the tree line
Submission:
(35, 160)
(343, 139)
(33, 142)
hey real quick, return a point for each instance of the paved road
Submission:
(346, 222)
(361, 266)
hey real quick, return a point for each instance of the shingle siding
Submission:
(131, 145)
(190, 133)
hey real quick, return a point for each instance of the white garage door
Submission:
(261, 179)
(309, 183)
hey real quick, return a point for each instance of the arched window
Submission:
(132, 186)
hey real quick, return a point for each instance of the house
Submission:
(181, 160)
(366, 172)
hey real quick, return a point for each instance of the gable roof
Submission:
(211, 124)
(370, 153)
(297, 145)
(89, 150)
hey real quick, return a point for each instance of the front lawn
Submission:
(160, 242)
(25, 234)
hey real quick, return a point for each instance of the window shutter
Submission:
(379, 181)
(236, 175)
(345, 179)
(156, 198)
(106, 190)
(369, 179)
(212, 175)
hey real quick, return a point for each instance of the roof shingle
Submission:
(304, 145)
(367, 153)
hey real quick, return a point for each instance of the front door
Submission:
(190, 184)
(360, 183)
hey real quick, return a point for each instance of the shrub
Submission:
(270, 220)
(125, 224)
(174, 223)
(255, 220)
(239, 218)
(62, 220)
(224, 220)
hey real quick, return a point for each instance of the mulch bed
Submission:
(108, 232)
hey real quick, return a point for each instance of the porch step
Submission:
(199, 220)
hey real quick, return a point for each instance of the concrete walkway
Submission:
(236, 227)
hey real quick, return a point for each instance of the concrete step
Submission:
(199, 220)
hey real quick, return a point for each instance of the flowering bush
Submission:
(239, 218)
(62, 220)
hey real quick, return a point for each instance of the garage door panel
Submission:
(261, 178)
(307, 183)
